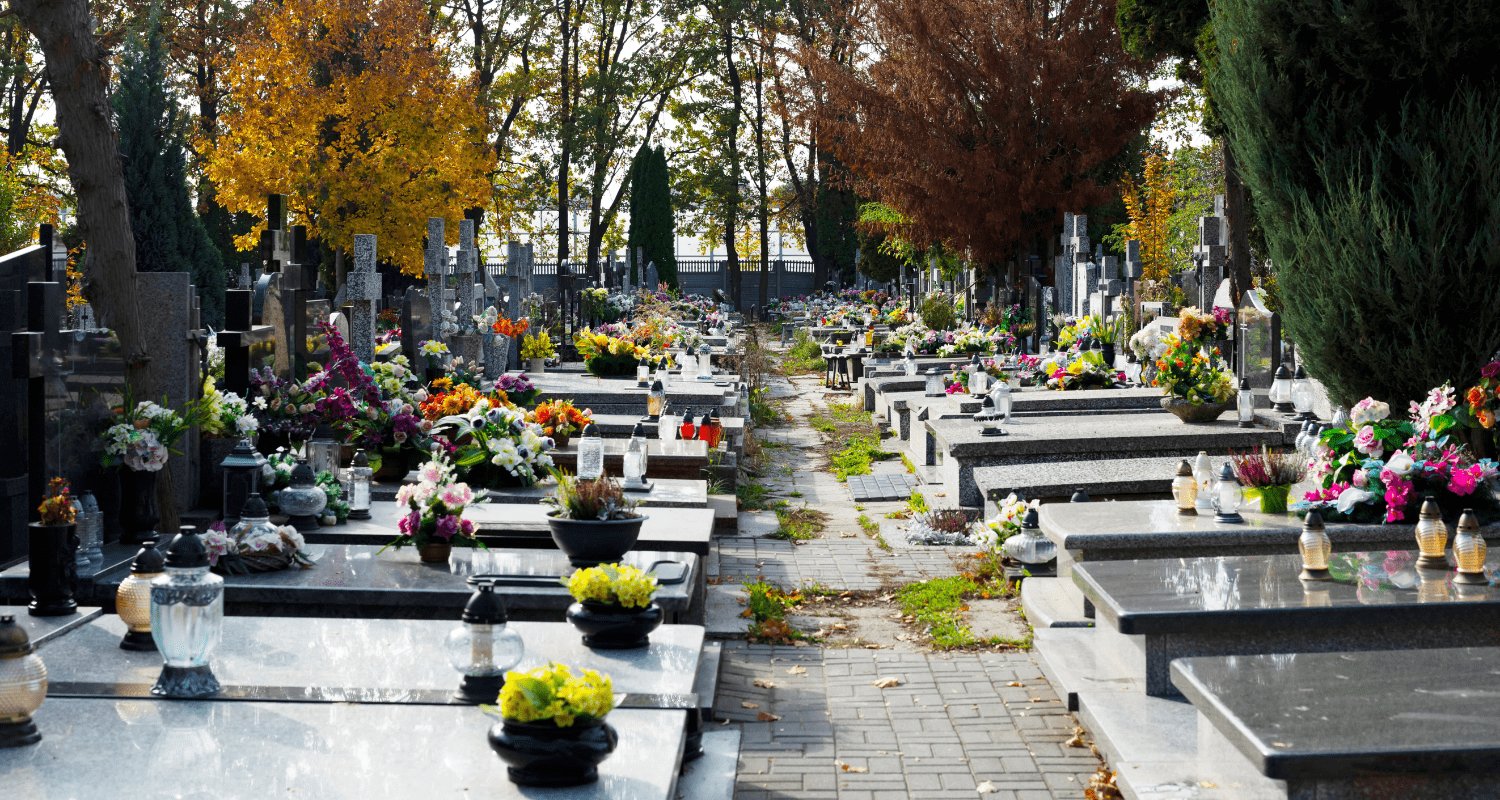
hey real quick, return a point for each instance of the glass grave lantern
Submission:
(590, 454)
(909, 362)
(1281, 390)
(1302, 395)
(1469, 550)
(1246, 404)
(656, 398)
(687, 431)
(1227, 497)
(711, 429)
(360, 478)
(303, 500)
(979, 382)
(90, 532)
(634, 463)
(1185, 490)
(1030, 546)
(666, 425)
(483, 648)
(255, 520)
(642, 373)
(988, 419)
(1432, 536)
(244, 471)
(705, 362)
(934, 383)
(1203, 472)
(133, 598)
(23, 686)
(323, 450)
(187, 618)
(1315, 547)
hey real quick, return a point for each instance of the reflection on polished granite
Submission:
(1204, 594)
(1357, 714)
(148, 749)
(361, 575)
(665, 493)
(382, 654)
(42, 629)
(1110, 435)
(1146, 524)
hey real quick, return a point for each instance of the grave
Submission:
(665, 493)
(363, 293)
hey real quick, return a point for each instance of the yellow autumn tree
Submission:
(1149, 205)
(355, 111)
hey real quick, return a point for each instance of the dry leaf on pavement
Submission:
(764, 717)
(845, 767)
(748, 704)
(797, 671)
(764, 684)
(885, 683)
(986, 788)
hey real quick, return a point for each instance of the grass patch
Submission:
(849, 425)
(764, 410)
(910, 467)
(751, 496)
(938, 606)
(767, 609)
(794, 494)
(798, 523)
(872, 530)
(805, 355)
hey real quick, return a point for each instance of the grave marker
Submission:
(416, 326)
(466, 266)
(436, 267)
(239, 338)
(364, 285)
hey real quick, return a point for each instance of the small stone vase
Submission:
(542, 754)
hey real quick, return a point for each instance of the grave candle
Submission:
(712, 429)
(23, 685)
(1315, 547)
(1302, 395)
(360, 476)
(1432, 536)
(1246, 403)
(934, 383)
(642, 372)
(1281, 390)
(656, 399)
(590, 454)
(1185, 490)
(1203, 472)
(634, 463)
(483, 648)
(323, 450)
(1470, 550)
(187, 618)
(133, 599)
(688, 430)
(1227, 496)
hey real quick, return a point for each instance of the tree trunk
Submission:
(567, 141)
(731, 213)
(760, 166)
(1239, 229)
(78, 72)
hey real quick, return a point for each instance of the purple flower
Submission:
(1491, 369)
(447, 527)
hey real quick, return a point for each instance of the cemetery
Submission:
(741, 401)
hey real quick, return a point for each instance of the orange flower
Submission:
(1476, 397)
(1486, 418)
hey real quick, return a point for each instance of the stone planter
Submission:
(542, 754)
(589, 543)
(607, 626)
(538, 366)
(1194, 414)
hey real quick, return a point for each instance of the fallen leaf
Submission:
(798, 643)
(799, 670)
(747, 613)
(764, 717)
(764, 684)
(986, 788)
(885, 683)
(839, 626)
(872, 647)
(1015, 683)
(1208, 784)
(748, 704)
(845, 767)
(1077, 740)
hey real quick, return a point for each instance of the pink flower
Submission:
(446, 527)
(1464, 481)
(456, 495)
(467, 526)
(1397, 495)
(1361, 479)
(1491, 369)
(408, 524)
(1366, 442)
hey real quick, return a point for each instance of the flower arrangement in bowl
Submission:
(1268, 475)
(552, 731)
(592, 521)
(560, 419)
(517, 389)
(1197, 387)
(1084, 369)
(495, 446)
(607, 356)
(537, 348)
(1376, 468)
(614, 609)
(434, 522)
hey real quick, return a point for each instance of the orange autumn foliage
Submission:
(1150, 208)
(354, 110)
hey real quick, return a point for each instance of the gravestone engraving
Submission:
(364, 286)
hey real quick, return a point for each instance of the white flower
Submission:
(1400, 463)
(1351, 497)
(1367, 411)
(246, 424)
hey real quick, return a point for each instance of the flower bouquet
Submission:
(552, 731)
(1084, 370)
(999, 534)
(434, 522)
(592, 521)
(560, 419)
(495, 445)
(536, 348)
(941, 527)
(518, 389)
(1191, 380)
(226, 415)
(1268, 475)
(1378, 469)
(607, 356)
(139, 436)
(512, 328)
(255, 550)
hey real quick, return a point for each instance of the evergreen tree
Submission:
(169, 237)
(634, 236)
(837, 211)
(1369, 134)
(657, 226)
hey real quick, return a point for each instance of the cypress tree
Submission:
(1369, 134)
(660, 228)
(634, 237)
(169, 237)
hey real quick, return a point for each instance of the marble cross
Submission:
(435, 264)
(364, 286)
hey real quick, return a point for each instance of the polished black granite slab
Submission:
(1254, 605)
(43, 629)
(360, 581)
(1376, 718)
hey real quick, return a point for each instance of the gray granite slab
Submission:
(335, 658)
(43, 629)
(1059, 479)
(1392, 718)
(880, 488)
(356, 580)
(665, 493)
(1251, 605)
(130, 749)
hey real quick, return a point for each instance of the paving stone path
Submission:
(970, 724)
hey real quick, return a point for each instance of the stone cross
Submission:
(1134, 267)
(244, 276)
(1110, 285)
(466, 266)
(1210, 255)
(513, 280)
(435, 264)
(364, 285)
(275, 243)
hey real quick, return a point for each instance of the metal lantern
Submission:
(1246, 404)
(360, 478)
(1432, 536)
(304, 500)
(1185, 490)
(483, 648)
(1315, 547)
(1228, 496)
(244, 471)
(187, 618)
(1302, 395)
(590, 454)
(1469, 550)
(934, 383)
(634, 463)
(323, 450)
(133, 598)
(656, 398)
(642, 373)
(23, 685)
(1281, 390)
(1203, 472)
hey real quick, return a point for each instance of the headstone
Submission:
(1211, 256)
(436, 266)
(173, 343)
(244, 276)
(364, 293)
(466, 267)
(314, 346)
(416, 326)
(652, 281)
(275, 241)
(1259, 341)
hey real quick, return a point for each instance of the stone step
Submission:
(723, 619)
(1049, 603)
(706, 682)
(711, 776)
